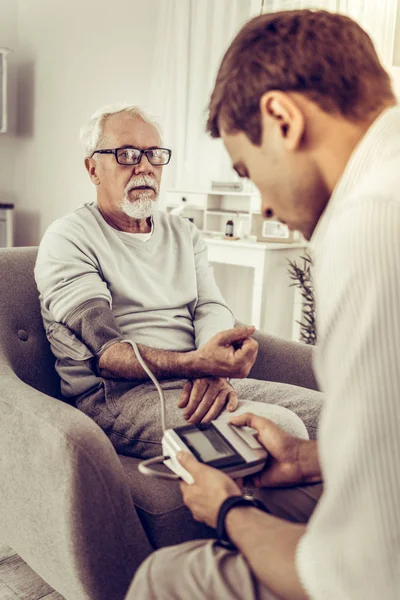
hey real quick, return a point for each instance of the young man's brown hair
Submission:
(327, 57)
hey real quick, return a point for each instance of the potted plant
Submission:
(302, 277)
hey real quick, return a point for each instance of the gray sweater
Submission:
(162, 292)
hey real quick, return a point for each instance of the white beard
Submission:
(143, 205)
(142, 208)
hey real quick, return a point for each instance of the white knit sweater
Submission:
(351, 550)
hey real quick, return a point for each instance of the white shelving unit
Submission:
(211, 209)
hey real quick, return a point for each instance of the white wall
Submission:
(73, 57)
(8, 39)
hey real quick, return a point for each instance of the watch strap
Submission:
(226, 506)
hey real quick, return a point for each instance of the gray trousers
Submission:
(203, 570)
(130, 414)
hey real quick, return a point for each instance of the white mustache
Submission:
(142, 180)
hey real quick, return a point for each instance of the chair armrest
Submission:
(65, 506)
(284, 361)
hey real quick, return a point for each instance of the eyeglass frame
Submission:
(114, 151)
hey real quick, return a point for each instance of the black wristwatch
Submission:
(225, 507)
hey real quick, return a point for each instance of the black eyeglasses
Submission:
(132, 156)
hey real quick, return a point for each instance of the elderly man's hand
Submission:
(230, 353)
(209, 490)
(204, 398)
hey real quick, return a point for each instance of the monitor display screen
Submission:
(208, 444)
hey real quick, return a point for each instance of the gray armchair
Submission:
(80, 515)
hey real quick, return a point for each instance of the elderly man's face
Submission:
(132, 190)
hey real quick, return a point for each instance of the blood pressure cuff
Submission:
(94, 324)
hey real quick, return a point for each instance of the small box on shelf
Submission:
(271, 230)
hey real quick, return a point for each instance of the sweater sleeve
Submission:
(67, 277)
(212, 314)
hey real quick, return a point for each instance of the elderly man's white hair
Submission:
(92, 132)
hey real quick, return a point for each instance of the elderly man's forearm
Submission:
(269, 545)
(119, 361)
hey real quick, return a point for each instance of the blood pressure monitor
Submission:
(218, 444)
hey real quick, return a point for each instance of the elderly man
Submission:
(306, 110)
(117, 271)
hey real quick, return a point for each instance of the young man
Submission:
(307, 112)
(118, 270)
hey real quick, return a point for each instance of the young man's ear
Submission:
(91, 167)
(280, 109)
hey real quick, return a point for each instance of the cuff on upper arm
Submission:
(94, 324)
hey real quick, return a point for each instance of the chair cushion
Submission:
(23, 343)
(158, 502)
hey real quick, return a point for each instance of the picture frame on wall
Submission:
(3, 89)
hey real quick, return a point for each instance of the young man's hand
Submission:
(230, 353)
(291, 460)
(204, 398)
(209, 490)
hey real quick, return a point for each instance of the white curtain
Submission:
(191, 38)
(377, 17)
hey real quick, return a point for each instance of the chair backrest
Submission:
(23, 343)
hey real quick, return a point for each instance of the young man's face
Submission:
(291, 187)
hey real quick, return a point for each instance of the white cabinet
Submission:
(254, 280)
